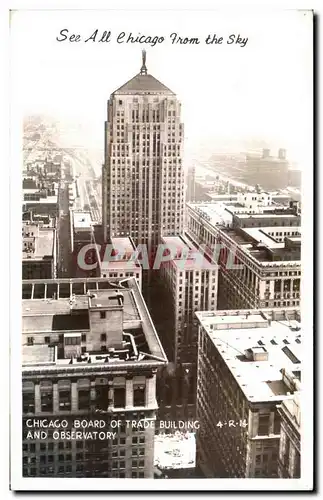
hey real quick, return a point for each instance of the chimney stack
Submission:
(282, 154)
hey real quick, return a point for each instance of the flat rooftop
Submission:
(71, 316)
(43, 314)
(263, 247)
(123, 258)
(44, 245)
(216, 214)
(262, 235)
(235, 332)
(268, 215)
(82, 220)
(186, 257)
(48, 200)
(124, 244)
(38, 354)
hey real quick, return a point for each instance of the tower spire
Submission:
(143, 70)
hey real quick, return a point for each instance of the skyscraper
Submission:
(143, 176)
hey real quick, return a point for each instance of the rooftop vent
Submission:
(257, 354)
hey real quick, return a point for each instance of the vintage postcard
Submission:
(161, 198)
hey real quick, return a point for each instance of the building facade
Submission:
(242, 359)
(258, 253)
(289, 463)
(143, 176)
(191, 280)
(90, 354)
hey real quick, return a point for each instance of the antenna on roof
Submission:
(143, 70)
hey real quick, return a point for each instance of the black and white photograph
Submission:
(161, 180)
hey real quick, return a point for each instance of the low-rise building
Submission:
(38, 250)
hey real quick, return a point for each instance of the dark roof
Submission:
(143, 84)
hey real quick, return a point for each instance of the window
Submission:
(28, 402)
(102, 314)
(46, 400)
(103, 337)
(72, 340)
(47, 340)
(119, 397)
(64, 400)
(30, 340)
(83, 337)
(263, 425)
(84, 399)
(139, 394)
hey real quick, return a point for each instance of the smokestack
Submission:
(265, 153)
(282, 154)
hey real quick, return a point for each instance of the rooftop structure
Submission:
(143, 83)
(130, 336)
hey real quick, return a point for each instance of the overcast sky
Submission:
(263, 90)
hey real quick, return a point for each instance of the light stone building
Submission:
(143, 175)
(89, 352)
(259, 254)
(191, 280)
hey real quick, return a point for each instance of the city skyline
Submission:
(247, 92)
(149, 343)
